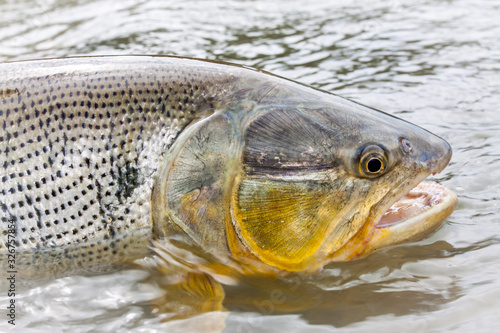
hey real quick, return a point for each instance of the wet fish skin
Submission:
(80, 142)
(99, 155)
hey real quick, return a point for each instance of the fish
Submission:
(101, 157)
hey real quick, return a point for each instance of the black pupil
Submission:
(374, 165)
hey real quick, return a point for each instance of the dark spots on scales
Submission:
(128, 179)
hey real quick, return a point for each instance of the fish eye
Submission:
(372, 162)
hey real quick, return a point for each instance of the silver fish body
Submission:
(80, 143)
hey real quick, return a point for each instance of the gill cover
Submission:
(286, 197)
(190, 196)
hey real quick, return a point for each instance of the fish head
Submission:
(291, 185)
(331, 181)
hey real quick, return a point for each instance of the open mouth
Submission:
(412, 217)
(427, 199)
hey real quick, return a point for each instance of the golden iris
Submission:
(373, 161)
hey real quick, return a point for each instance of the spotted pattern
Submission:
(80, 142)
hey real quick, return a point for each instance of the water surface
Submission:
(435, 63)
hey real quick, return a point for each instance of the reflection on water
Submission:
(435, 63)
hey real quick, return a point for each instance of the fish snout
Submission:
(436, 156)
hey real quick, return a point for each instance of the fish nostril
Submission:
(406, 145)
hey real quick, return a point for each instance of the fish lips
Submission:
(413, 214)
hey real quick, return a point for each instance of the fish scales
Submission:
(80, 142)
